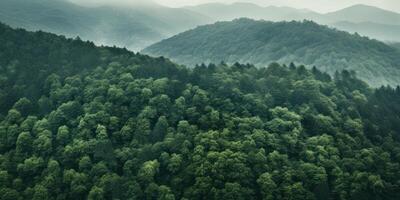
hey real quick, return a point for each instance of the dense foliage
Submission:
(260, 42)
(104, 123)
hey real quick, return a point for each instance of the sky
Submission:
(322, 6)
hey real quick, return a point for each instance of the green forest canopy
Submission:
(85, 122)
(263, 42)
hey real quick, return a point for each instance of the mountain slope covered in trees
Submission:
(369, 21)
(84, 122)
(134, 27)
(261, 42)
(138, 25)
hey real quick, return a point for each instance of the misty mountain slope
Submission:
(131, 27)
(363, 13)
(384, 32)
(370, 21)
(226, 12)
(56, 16)
(261, 42)
(356, 13)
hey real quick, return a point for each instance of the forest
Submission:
(262, 42)
(84, 122)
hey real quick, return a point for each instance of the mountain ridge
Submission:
(131, 27)
(261, 42)
(362, 13)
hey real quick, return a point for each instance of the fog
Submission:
(316, 5)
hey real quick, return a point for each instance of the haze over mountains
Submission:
(367, 18)
(137, 26)
(263, 42)
(384, 32)
(133, 27)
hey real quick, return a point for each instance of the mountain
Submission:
(363, 13)
(262, 42)
(136, 26)
(354, 14)
(383, 32)
(366, 20)
(84, 122)
(227, 12)
(133, 27)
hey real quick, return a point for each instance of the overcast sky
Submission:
(316, 5)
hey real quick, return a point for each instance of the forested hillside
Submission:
(84, 122)
(367, 20)
(133, 27)
(261, 42)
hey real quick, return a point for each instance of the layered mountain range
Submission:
(262, 42)
(136, 26)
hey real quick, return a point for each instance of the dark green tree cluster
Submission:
(126, 126)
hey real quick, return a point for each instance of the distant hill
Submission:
(363, 13)
(140, 25)
(384, 32)
(355, 14)
(131, 27)
(262, 42)
(225, 12)
(369, 21)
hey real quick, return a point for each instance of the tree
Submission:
(23, 105)
(267, 186)
(165, 193)
(160, 129)
(96, 193)
(24, 143)
(148, 170)
(63, 135)
(40, 193)
(174, 163)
